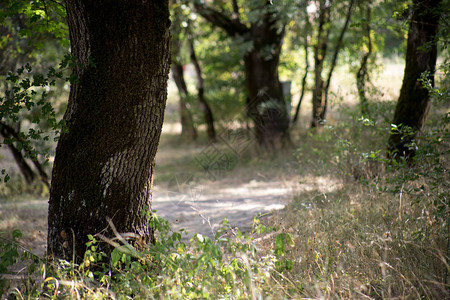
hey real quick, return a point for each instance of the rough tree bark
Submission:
(414, 100)
(266, 107)
(207, 112)
(104, 162)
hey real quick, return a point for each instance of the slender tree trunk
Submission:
(104, 162)
(362, 74)
(206, 109)
(187, 122)
(337, 49)
(320, 51)
(24, 167)
(8, 131)
(305, 76)
(414, 100)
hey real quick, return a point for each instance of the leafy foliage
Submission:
(229, 266)
(29, 93)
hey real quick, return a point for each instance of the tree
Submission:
(10, 133)
(306, 33)
(362, 75)
(204, 106)
(264, 35)
(104, 161)
(25, 28)
(321, 48)
(414, 100)
(186, 120)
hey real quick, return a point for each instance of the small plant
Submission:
(232, 265)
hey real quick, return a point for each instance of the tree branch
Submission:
(10, 131)
(235, 10)
(231, 26)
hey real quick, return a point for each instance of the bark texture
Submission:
(266, 105)
(104, 162)
(414, 100)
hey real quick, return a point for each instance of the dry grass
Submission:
(356, 243)
(360, 229)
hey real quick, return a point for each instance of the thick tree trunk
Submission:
(187, 122)
(414, 100)
(204, 106)
(266, 105)
(104, 162)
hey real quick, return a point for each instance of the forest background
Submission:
(367, 209)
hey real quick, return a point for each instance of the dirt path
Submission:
(195, 207)
(201, 208)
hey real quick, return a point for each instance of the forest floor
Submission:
(198, 208)
(187, 196)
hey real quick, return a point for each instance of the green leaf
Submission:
(115, 256)
(17, 233)
(281, 241)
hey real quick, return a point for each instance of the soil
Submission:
(196, 208)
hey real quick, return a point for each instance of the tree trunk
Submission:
(266, 105)
(337, 49)
(206, 109)
(8, 132)
(305, 76)
(24, 167)
(104, 162)
(362, 74)
(414, 100)
(320, 51)
(187, 122)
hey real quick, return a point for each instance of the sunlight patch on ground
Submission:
(201, 208)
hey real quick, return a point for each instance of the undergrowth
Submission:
(381, 233)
